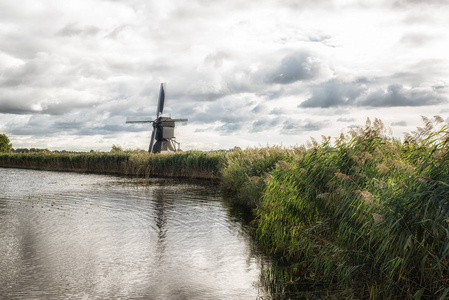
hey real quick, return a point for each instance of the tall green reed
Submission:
(369, 215)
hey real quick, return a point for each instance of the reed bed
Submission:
(367, 218)
(246, 172)
(190, 164)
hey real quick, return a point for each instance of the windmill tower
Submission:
(163, 135)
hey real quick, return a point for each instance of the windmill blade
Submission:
(173, 120)
(152, 140)
(160, 104)
(136, 120)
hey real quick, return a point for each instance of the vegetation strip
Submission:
(366, 218)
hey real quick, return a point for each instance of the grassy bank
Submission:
(191, 164)
(366, 216)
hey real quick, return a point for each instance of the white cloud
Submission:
(245, 73)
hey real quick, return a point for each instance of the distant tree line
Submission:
(38, 150)
(31, 150)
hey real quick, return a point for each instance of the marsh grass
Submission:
(246, 172)
(369, 215)
(190, 164)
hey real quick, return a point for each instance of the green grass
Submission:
(364, 217)
(190, 164)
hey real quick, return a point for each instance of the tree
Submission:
(5, 144)
(116, 148)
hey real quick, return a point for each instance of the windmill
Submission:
(163, 135)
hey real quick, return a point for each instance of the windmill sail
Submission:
(153, 134)
(137, 120)
(161, 101)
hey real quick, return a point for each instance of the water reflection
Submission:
(75, 236)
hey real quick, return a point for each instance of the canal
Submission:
(84, 236)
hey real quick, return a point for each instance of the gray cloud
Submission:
(43, 70)
(318, 38)
(418, 3)
(399, 123)
(278, 111)
(265, 124)
(335, 93)
(36, 101)
(418, 18)
(216, 59)
(228, 128)
(74, 29)
(297, 127)
(308, 4)
(295, 67)
(416, 73)
(397, 95)
(72, 125)
(225, 115)
(346, 120)
(416, 39)
(260, 108)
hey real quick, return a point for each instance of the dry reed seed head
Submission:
(380, 183)
(422, 179)
(300, 150)
(365, 196)
(382, 168)
(445, 138)
(378, 125)
(389, 130)
(378, 218)
(268, 178)
(325, 139)
(254, 179)
(283, 165)
(367, 156)
(311, 187)
(368, 122)
(438, 119)
(314, 142)
(358, 160)
(356, 169)
(439, 155)
(427, 123)
(342, 176)
(322, 196)
(340, 190)
(352, 133)
(339, 140)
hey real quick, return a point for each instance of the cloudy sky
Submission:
(245, 73)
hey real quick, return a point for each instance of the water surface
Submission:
(80, 236)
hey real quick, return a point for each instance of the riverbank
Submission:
(366, 217)
(191, 164)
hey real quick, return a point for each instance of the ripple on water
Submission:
(80, 236)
